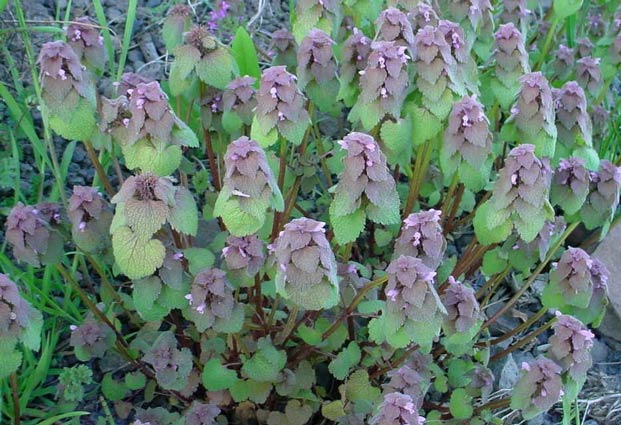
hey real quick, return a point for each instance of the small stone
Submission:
(599, 352)
(507, 372)
(114, 14)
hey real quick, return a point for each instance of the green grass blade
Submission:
(127, 35)
(54, 419)
(103, 23)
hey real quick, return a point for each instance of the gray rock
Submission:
(134, 56)
(608, 253)
(600, 351)
(506, 372)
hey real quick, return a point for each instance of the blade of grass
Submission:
(103, 23)
(127, 35)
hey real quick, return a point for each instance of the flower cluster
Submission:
(570, 346)
(284, 47)
(462, 307)
(172, 366)
(31, 231)
(533, 114)
(464, 74)
(572, 118)
(521, 193)
(15, 312)
(280, 108)
(614, 51)
(564, 59)
(306, 267)
(217, 15)
(202, 414)
(570, 185)
(603, 198)
(244, 253)
(200, 57)
(248, 188)
(436, 68)
(589, 75)
(90, 218)
(393, 25)
(594, 312)
(87, 43)
(421, 15)
(317, 70)
(365, 188)
(397, 408)
(571, 281)
(67, 91)
(210, 299)
(538, 388)
(511, 61)
(91, 339)
(584, 47)
(422, 237)
(408, 381)
(467, 144)
(383, 84)
(239, 98)
(354, 59)
(514, 11)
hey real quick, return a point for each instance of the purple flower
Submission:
(423, 14)
(202, 414)
(462, 307)
(514, 11)
(570, 346)
(570, 185)
(91, 339)
(614, 52)
(211, 296)
(172, 366)
(511, 61)
(306, 267)
(572, 119)
(571, 281)
(564, 59)
(87, 43)
(603, 197)
(584, 47)
(589, 75)
(422, 237)
(15, 312)
(393, 25)
(240, 97)
(408, 381)
(397, 408)
(244, 253)
(538, 388)
(315, 59)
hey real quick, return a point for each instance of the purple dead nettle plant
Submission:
(599, 117)
(463, 311)
(354, 58)
(171, 365)
(239, 98)
(211, 107)
(520, 196)
(533, 115)
(316, 70)
(571, 281)
(515, 12)
(17, 317)
(397, 408)
(524, 255)
(284, 48)
(67, 91)
(383, 84)
(589, 75)
(571, 345)
(202, 414)
(280, 108)
(596, 25)
(511, 61)
(538, 389)
(90, 216)
(365, 189)
(84, 38)
(614, 51)
(422, 15)
(244, 253)
(564, 59)
(572, 118)
(321, 14)
(211, 301)
(570, 185)
(33, 233)
(422, 237)
(409, 381)
(594, 312)
(201, 57)
(249, 188)
(306, 267)
(481, 381)
(177, 22)
(467, 144)
(465, 66)
(393, 25)
(603, 198)
(91, 339)
(584, 47)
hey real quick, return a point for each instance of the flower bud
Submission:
(422, 237)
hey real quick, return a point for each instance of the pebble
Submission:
(134, 56)
(114, 14)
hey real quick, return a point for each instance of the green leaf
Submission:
(250, 390)
(358, 388)
(159, 158)
(136, 257)
(11, 360)
(135, 381)
(347, 228)
(238, 222)
(198, 259)
(486, 216)
(494, 262)
(186, 58)
(461, 404)
(311, 336)
(265, 136)
(565, 8)
(184, 215)
(112, 389)
(333, 410)
(79, 123)
(245, 54)
(146, 217)
(397, 138)
(266, 363)
(183, 135)
(216, 377)
(216, 69)
(234, 323)
(31, 336)
(344, 361)
(425, 125)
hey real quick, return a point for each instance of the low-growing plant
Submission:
(318, 234)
